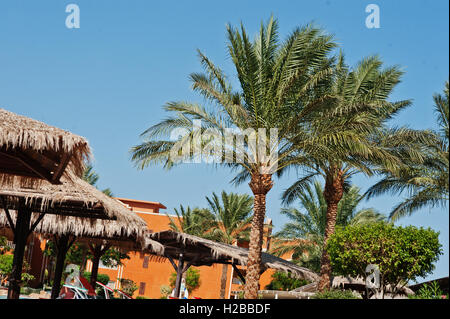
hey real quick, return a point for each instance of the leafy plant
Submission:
(283, 281)
(429, 291)
(4, 248)
(400, 253)
(6, 262)
(128, 286)
(102, 278)
(192, 279)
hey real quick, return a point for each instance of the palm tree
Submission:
(90, 176)
(275, 80)
(426, 181)
(303, 237)
(232, 213)
(195, 221)
(347, 137)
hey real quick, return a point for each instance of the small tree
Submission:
(400, 253)
(4, 247)
(6, 262)
(192, 279)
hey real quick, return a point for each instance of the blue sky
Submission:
(108, 79)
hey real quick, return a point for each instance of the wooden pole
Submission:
(179, 275)
(62, 245)
(21, 233)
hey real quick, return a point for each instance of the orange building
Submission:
(151, 273)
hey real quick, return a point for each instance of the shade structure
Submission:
(191, 250)
(98, 234)
(34, 150)
(127, 235)
(73, 198)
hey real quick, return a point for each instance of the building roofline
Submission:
(141, 201)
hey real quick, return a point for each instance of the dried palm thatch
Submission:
(73, 197)
(200, 252)
(127, 236)
(30, 148)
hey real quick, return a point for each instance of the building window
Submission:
(145, 263)
(142, 288)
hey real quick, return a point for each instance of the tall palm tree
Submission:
(303, 237)
(232, 213)
(347, 137)
(275, 81)
(427, 181)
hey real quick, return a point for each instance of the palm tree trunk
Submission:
(223, 281)
(333, 192)
(260, 185)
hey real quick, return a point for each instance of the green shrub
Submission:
(283, 281)
(192, 279)
(335, 294)
(401, 253)
(429, 291)
(104, 279)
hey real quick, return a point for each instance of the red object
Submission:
(87, 285)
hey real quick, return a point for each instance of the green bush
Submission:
(283, 281)
(401, 253)
(104, 279)
(192, 279)
(429, 291)
(335, 294)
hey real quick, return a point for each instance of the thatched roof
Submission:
(73, 197)
(199, 252)
(116, 233)
(33, 149)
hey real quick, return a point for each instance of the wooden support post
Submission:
(97, 252)
(236, 269)
(179, 275)
(62, 245)
(22, 228)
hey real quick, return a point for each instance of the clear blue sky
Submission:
(108, 80)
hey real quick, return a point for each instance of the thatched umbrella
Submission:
(98, 234)
(197, 251)
(73, 197)
(34, 150)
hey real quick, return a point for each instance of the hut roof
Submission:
(73, 197)
(31, 149)
(116, 233)
(199, 251)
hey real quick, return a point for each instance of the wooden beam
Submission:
(238, 271)
(37, 221)
(29, 163)
(175, 267)
(61, 167)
